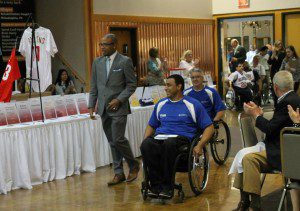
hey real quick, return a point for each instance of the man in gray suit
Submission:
(113, 82)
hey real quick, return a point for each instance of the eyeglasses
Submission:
(106, 44)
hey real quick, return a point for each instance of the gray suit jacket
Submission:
(120, 84)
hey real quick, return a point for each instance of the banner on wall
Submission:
(13, 17)
(243, 4)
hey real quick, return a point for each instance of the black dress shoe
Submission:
(242, 206)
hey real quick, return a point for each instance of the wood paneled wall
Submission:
(171, 36)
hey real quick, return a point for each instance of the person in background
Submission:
(250, 54)
(295, 194)
(257, 67)
(187, 61)
(275, 60)
(208, 97)
(291, 63)
(155, 68)
(174, 122)
(254, 78)
(63, 84)
(263, 60)
(112, 83)
(239, 82)
(248, 180)
(239, 55)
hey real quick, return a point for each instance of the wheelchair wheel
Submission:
(265, 94)
(230, 99)
(221, 143)
(198, 170)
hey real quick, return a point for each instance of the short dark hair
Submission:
(153, 52)
(178, 80)
(263, 48)
(113, 37)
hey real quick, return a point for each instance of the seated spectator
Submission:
(247, 178)
(239, 82)
(187, 61)
(155, 68)
(63, 84)
(292, 63)
(295, 194)
(208, 97)
(179, 116)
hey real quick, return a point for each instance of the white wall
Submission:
(224, 7)
(65, 19)
(155, 8)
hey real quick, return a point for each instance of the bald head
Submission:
(234, 43)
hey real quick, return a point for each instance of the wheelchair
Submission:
(220, 143)
(197, 169)
(233, 100)
(266, 92)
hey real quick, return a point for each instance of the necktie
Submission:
(107, 66)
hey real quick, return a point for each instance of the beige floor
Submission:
(90, 192)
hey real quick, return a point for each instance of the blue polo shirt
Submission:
(184, 117)
(209, 98)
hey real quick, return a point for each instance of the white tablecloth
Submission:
(33, 154)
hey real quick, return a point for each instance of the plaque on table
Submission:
(2, 115)
(60, 106)
(70, 105)
(11, 113)
(82, 103)
(48, 106)
(23, 108)
(35, 108)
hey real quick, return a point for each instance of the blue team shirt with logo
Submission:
(209, 98)
(184, 117)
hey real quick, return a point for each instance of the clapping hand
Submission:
(252, 109)
(294, 114)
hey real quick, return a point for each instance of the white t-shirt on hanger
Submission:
(46, 48)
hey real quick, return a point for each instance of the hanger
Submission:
(34, 25)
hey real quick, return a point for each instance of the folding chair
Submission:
(290, 148)
(249, 137)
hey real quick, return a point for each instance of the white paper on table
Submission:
(48, 107)
(70, 105)
(11, 113)
(35, 108)
(81, 103)
(60, 106)
(24, 112)
(3, 120)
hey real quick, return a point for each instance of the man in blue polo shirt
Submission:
(208, 97)
(173, 123)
